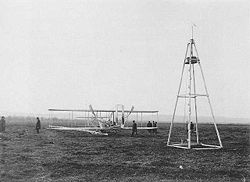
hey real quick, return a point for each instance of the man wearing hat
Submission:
(2, 123)
(38, 125)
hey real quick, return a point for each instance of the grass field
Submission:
(70, 156)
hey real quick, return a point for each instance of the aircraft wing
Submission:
(92, 130)
(140, 128)
(82, 110)
(73, 110)
(100, 117)
(98, 110)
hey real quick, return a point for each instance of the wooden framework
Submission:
(119, 114)
(191, 60)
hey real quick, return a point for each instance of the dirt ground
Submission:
(74, 156)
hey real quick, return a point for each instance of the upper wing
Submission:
(92, 130)
(75, 110)
(102, 110)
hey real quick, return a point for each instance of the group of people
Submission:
(3, 123)
(152, 131)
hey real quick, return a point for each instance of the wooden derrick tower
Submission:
(191, 61)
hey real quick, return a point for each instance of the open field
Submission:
(69, 156)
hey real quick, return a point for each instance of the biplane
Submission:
(114, 121)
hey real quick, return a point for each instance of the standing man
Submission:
(2, 122)
(155, 125)
(134, 128)
(191, 126)
(38, 125)
(149, 125)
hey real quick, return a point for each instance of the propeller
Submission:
(96, 118)
(92, 110)
(132, 108)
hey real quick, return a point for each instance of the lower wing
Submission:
(92, 130)
(140, 128)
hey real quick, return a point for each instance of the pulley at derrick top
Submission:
(193, 60)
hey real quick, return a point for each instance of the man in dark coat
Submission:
(191, 126)
(155, 125)
(2, 123)
(38, 125)
(149, 125)
(134, 128)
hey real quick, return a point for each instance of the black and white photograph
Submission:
(124, 90)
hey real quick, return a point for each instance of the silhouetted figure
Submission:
(149, 125)
(123, 120)
(153, 131)
(155, 125)
(38, 125)
(134, 128)
(2, 124)
(191, 126)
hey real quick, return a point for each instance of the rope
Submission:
(185, 104)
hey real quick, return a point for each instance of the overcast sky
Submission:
(68, 54)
